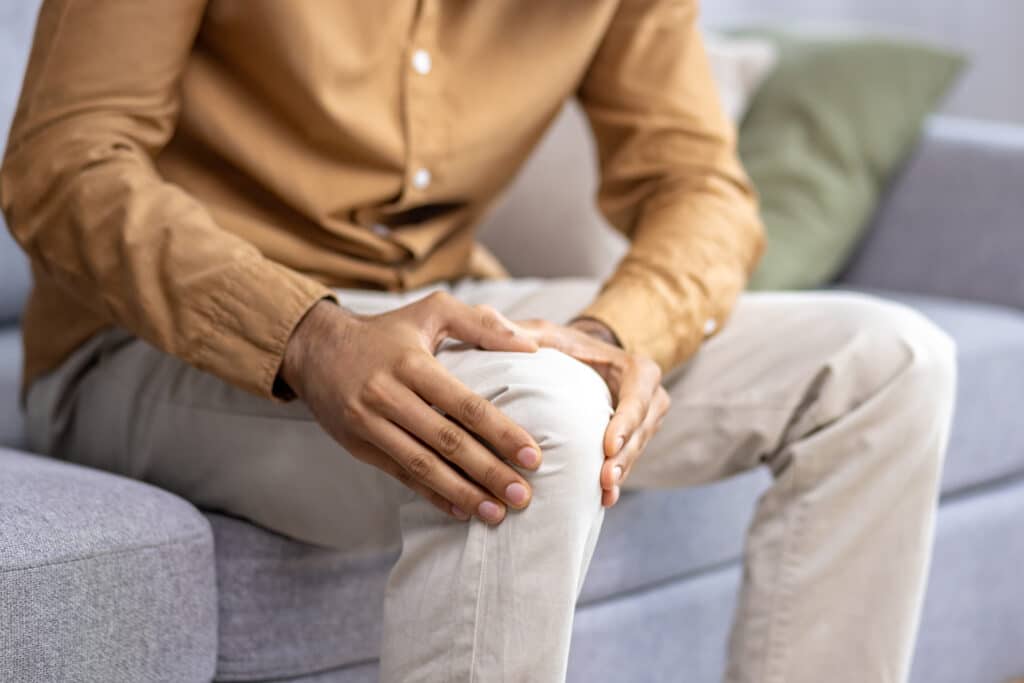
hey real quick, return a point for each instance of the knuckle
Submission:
(492, 476)
(439, 298)
(664, 401)
(405, 477)
(409, 363)
(472, 410)
(351, 413)
(467, 499)
(449, 440)
(418, 466)
(511, 438)
(653, 370)
(489, 320)
(374, 391)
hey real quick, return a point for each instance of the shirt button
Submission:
(380, 230)
(710, 325)
(421, 62)
(421, 179)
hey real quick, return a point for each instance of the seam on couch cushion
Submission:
(200, 537)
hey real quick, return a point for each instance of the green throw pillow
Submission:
(822, 137)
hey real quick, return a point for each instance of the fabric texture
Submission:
(848, 403)
(823, 135)
(101, 578)
(132, 182)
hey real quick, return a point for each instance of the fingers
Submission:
(475, 413)
(428, 469)
(639, 383)
(617, 468)
(481, 326)
(456, 445)
(610, 498)
(372, 455)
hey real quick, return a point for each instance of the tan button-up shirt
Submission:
(202, 172)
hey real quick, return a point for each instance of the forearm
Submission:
(671, 181)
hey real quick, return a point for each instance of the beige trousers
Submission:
(846, 398)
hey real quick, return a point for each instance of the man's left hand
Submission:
(635, 383)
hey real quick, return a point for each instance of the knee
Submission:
(927, 353)
(565, 405)
(900, 366)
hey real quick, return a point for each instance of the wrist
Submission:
(317, 325)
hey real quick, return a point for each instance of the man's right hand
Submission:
(373, 384)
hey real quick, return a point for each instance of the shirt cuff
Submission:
(247, 321)
(645, 322)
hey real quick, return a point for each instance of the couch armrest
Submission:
(101, 578)
(952, 222)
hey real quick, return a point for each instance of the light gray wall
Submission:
(991, 32)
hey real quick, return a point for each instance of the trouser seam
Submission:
(779, 616)
(478, 601)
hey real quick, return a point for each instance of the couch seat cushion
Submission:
(101, 578)
(289, 609)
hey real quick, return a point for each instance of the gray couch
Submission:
(106, 579)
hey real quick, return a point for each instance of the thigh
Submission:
(121, 405)
(785, 365)
(141, 413)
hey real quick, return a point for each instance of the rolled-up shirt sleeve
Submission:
(671, 181)
(82, 195)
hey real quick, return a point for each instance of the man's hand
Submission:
(373, 384)
(634, 380)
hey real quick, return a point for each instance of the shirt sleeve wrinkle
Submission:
(670, 180)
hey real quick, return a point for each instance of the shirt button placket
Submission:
(418, 101)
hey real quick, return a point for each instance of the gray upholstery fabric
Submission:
(102, 579)
(287, 608)
(953, 222)
(12, 431)
(972, 627)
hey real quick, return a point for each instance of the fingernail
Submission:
(528, 457)
(459, 513)
(617, 472)
(489, 511)
(619, 441)
(516, 493)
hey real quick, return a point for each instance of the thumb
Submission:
(485, 327)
